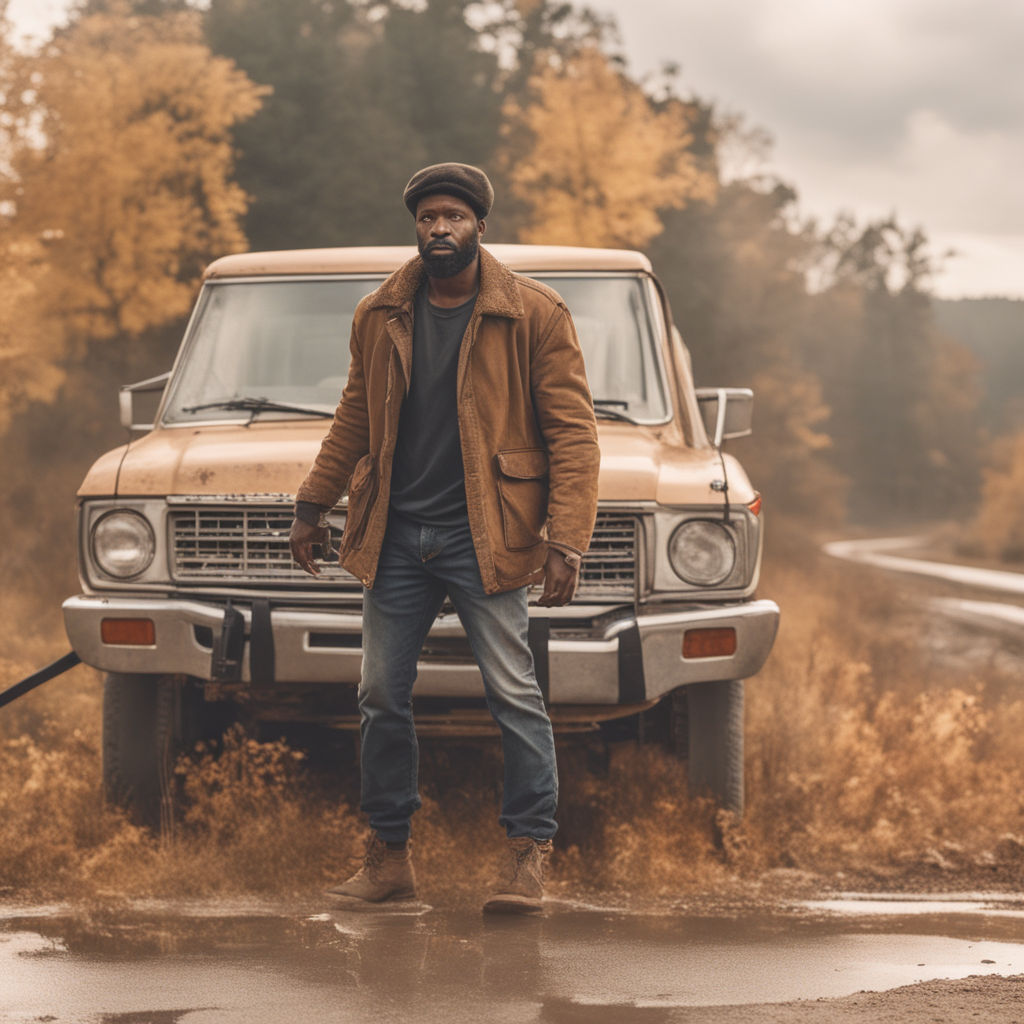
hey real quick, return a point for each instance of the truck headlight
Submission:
(123, 543)
(702, 552)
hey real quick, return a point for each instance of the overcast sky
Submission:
(915, 106)
(912, 106)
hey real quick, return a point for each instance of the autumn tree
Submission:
(115, 190)
(365, 94)
(29, 343)
(904, 396)
(997, 530)
(734, 272)
(358, 104)
(120, 163)
(600, 160)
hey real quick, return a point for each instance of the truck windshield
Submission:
(285, 342)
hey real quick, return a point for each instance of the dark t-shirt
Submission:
(427, 482)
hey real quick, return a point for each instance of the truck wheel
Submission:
(139, 747)
(706, 726)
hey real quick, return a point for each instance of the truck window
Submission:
(615, 327)
(283, 340)
(287, 340)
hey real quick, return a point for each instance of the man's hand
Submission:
(302, 538)
(559, 581)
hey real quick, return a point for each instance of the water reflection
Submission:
(418, 963)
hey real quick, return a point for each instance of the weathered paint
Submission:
(637, 465)
(273, 457)
(101, 479)
(383, 259)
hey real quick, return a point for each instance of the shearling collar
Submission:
(498, 296)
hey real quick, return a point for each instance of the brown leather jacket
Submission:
(526, 420)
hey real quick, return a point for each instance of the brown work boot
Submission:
(521, 890)
(385, 875)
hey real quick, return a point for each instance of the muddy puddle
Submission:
(215, 963)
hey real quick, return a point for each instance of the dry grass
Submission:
(859, 758)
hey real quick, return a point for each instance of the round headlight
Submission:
(123, 543)
(702, 552)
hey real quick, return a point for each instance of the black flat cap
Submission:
(462, 180)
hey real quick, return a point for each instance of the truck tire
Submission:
(140, 744)
(706, 726)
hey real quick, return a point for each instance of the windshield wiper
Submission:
(602, 409)
(255, 405)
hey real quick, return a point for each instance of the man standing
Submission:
(466, 438)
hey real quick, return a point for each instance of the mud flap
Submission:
(226, 660)
(261, 645)
(632, 685)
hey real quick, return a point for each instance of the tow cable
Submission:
(44, 675)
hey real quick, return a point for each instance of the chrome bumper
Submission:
(636, 658)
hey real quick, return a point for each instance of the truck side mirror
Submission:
(126, 399)
(727, 413)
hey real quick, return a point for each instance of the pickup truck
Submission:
(192, 606)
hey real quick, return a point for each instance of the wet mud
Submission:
(225, 962)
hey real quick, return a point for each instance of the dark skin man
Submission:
(448, 233)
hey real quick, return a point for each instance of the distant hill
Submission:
(993, 329)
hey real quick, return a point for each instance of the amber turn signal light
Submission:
(128, 632)
(709, 643)
(755, 505)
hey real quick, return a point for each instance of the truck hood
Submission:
(638, 465)
(273, 458)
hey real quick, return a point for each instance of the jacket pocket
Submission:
(523, 495)
(362, 489)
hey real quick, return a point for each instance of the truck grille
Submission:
(610, 566)
(238, 544)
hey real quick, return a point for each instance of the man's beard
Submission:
(447, 260)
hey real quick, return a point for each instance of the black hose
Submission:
(44, 675)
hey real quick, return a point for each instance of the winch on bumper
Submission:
(623, 658)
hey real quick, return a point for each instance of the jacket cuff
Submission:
(566, 548)
(309, 513)
(573, 556)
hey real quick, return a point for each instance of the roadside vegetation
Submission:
(997, 529)
(867, 765)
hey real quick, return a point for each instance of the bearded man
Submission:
(466, 438)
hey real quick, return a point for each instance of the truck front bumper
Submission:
(632, 659)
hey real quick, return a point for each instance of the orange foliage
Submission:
(998, 528)
(29, 342)
(602, 159)
(120, 166)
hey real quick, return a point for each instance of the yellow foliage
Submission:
(601, 161)
(998, 528)
(121, 160)
(861, 756)
(29, 341)
(790, 442)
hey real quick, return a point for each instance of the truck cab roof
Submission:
(376, 259)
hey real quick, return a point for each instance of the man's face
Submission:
(448, 234)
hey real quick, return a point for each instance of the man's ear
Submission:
(481, 226)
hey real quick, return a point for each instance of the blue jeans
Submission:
(418, 566)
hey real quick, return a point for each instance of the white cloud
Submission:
(938, 176)
(984, 265)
